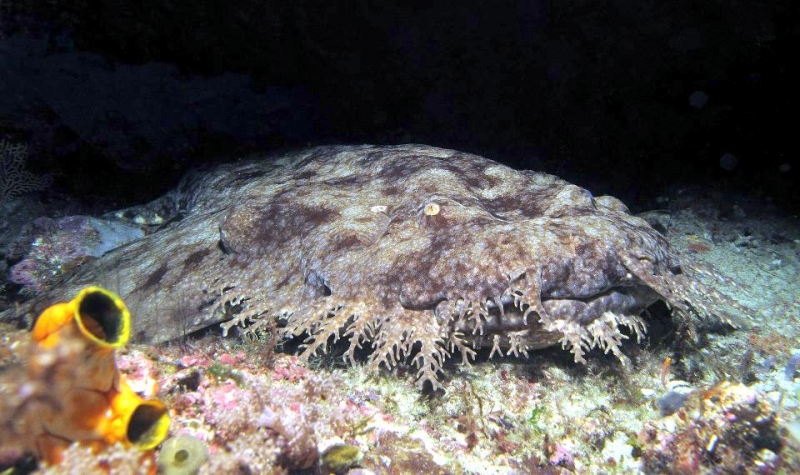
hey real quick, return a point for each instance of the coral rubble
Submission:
(728, 428)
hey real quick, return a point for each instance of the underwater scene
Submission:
(399, 237)
(476, 320)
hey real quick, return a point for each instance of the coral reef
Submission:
(416, 251)
(261, 410)
(268, 418)
(728, 428)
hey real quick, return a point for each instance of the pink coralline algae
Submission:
(412, 252)
(50, 248)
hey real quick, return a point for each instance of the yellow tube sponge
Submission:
(99, 316)
(93, 403)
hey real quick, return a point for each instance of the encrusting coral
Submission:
(415, 251)
(74, 392)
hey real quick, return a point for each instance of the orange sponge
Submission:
(94, 404)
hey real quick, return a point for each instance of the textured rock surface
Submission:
(50, 248)
(418, 251)
(729, 428)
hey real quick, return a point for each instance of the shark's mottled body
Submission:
(414, 250)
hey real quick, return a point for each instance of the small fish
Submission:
(665, 367)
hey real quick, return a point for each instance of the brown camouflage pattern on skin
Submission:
(418, 252)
